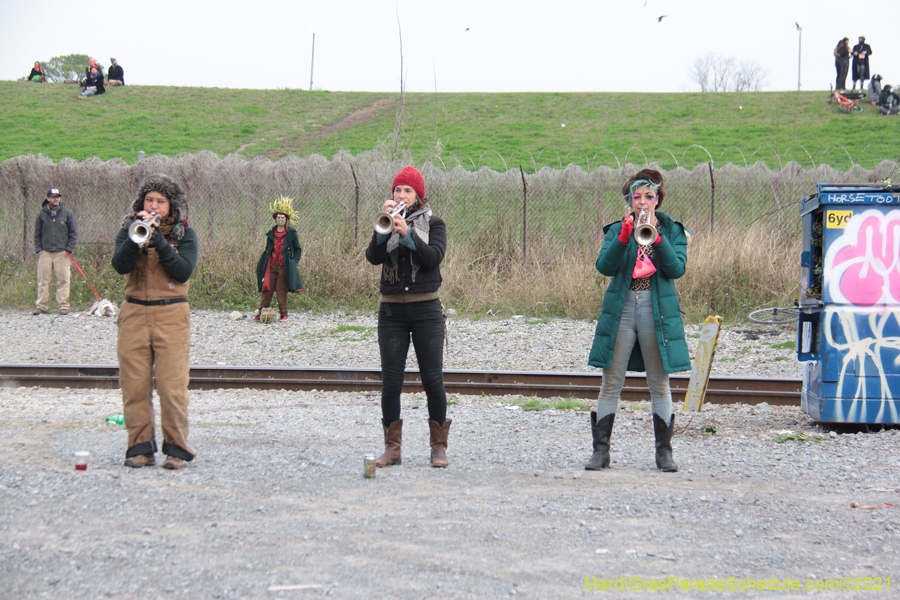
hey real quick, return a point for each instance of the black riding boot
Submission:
(664, 460)
(601, 432)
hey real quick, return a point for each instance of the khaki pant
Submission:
(155, 340)
(48, 264)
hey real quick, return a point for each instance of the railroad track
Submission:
(544, 384)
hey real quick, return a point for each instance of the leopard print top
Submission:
(643, 284)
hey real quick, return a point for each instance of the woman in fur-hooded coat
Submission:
(154, 324)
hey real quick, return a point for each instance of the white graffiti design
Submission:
(857, 349)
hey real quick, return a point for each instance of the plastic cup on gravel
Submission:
(81, 460)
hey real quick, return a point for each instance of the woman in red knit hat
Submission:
(410, 258)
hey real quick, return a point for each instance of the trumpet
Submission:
(383, 221)
(140, 231)
(644, 231)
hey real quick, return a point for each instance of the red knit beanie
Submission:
(409, 176)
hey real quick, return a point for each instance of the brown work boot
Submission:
(64, 311)
(439, 443)
(393, 436)
(39, 311)
(173, 463)
(141, 460)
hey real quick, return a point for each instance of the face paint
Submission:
(280, 221)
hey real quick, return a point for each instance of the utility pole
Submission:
(312, 60)
(799, 47)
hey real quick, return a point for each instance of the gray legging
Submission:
(637, 325)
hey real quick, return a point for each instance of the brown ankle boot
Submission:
(439, 443)
(393, 436)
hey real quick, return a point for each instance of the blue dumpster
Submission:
(848, 334)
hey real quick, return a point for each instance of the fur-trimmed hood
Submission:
(171, 189)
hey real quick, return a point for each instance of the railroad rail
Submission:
(544, 384)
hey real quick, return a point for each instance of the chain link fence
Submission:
(501, 213)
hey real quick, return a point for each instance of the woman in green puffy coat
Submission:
(640, 326)
(276, 271)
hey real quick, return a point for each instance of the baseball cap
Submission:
(53, 192)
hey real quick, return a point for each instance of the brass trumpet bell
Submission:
(140, 231)
(383, 222)
(644, 231)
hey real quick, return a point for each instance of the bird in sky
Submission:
(467, 28)
(659, 20)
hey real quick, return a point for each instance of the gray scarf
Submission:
(420, 221)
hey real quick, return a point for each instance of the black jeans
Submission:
(424, 322)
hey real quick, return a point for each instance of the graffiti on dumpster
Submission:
(869, 345)
(863, 264)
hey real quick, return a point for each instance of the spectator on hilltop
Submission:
(861, 53)
(874, 90)
(37, 73)
(842, 64)
(116, 75)
(93, 85)
(888, 101)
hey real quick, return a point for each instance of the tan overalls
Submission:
(155, 337)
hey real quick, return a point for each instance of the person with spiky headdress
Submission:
(154, 326)
(276, 271)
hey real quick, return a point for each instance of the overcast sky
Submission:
(458, 46)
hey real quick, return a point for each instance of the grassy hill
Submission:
(532, 129)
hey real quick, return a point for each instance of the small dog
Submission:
(103, 308)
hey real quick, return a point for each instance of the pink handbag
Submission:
(643, 266)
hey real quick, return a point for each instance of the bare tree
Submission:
(700, 72)
(750, 77)
(716, 73)
(723, 72)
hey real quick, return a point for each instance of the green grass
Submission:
(471, 129)
(554, 403)
(785, 345)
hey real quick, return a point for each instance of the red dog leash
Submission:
(83, 275)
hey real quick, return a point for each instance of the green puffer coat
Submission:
(617, 260)
(292, 253)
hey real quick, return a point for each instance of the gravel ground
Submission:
(276, 497)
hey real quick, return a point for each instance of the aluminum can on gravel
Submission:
(369, 466)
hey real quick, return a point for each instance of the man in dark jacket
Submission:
(861, 53)
(116, 75)
(55, 233)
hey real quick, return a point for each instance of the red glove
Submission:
(627, 229)
(658, 239)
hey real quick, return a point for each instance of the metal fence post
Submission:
(712, 200)
(524, 217)
(356, 210)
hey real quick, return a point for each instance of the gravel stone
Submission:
(276, 499)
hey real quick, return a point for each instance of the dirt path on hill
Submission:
(360, 115)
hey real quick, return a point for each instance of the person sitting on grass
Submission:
(37, 74)
(874, 89)
(116, 75)
(93, 85)
(888, 101)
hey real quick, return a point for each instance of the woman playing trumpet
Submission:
(410, 258)
(155, 322)
(640, 326)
